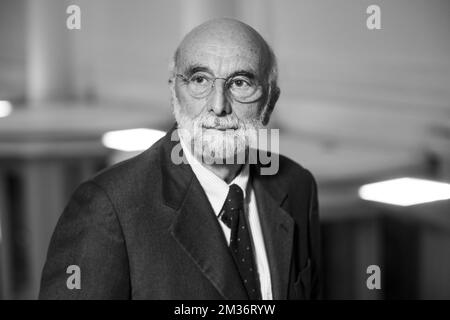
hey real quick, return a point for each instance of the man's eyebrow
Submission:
(197, 68)
(245, 73)
(202, 68)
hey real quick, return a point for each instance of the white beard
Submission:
(214, 146)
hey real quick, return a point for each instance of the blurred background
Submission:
(358, 106)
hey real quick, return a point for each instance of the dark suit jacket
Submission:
(144, 229)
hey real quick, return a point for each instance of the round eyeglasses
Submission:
(239, 87)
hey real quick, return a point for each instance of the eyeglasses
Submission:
(239, 87)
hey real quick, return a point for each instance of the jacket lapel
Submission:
(278, 230)
(198, 232)
(195, 227)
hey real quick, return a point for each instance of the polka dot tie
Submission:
(232, 215)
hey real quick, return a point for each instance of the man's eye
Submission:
(240, 84)
(199, 80)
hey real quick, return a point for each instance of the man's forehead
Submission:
(224, 57)
(226, 51)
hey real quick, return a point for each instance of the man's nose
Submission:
(219, 102)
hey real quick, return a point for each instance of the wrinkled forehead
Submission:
(222, 59)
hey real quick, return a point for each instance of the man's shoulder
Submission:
(293, 182)
(290, 172)
(289, 167)
(131, 173)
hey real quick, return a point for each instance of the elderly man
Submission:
(207, 227)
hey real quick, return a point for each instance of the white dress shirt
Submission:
(216, 190)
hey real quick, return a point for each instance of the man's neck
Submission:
(226, 172)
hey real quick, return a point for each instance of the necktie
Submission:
(240, 241)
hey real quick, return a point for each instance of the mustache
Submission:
(209, 121)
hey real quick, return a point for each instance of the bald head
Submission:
(228, 44)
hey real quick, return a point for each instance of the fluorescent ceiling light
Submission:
(132, 139)
(5, 108)
(405, 191)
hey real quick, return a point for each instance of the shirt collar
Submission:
(215, 188)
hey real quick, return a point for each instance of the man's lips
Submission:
(219, 128)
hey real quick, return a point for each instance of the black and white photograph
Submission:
(225, 150)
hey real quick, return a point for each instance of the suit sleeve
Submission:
(315, 243)
(89, 238)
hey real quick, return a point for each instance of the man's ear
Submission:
(171, 81)
(275, 94)
(171, 84)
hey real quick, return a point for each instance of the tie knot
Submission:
(233, 203)
(235, 198)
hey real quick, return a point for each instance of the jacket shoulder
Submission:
(287, 176)
(130, 173)
(296, 179)
(286, 173)
(289, 169)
